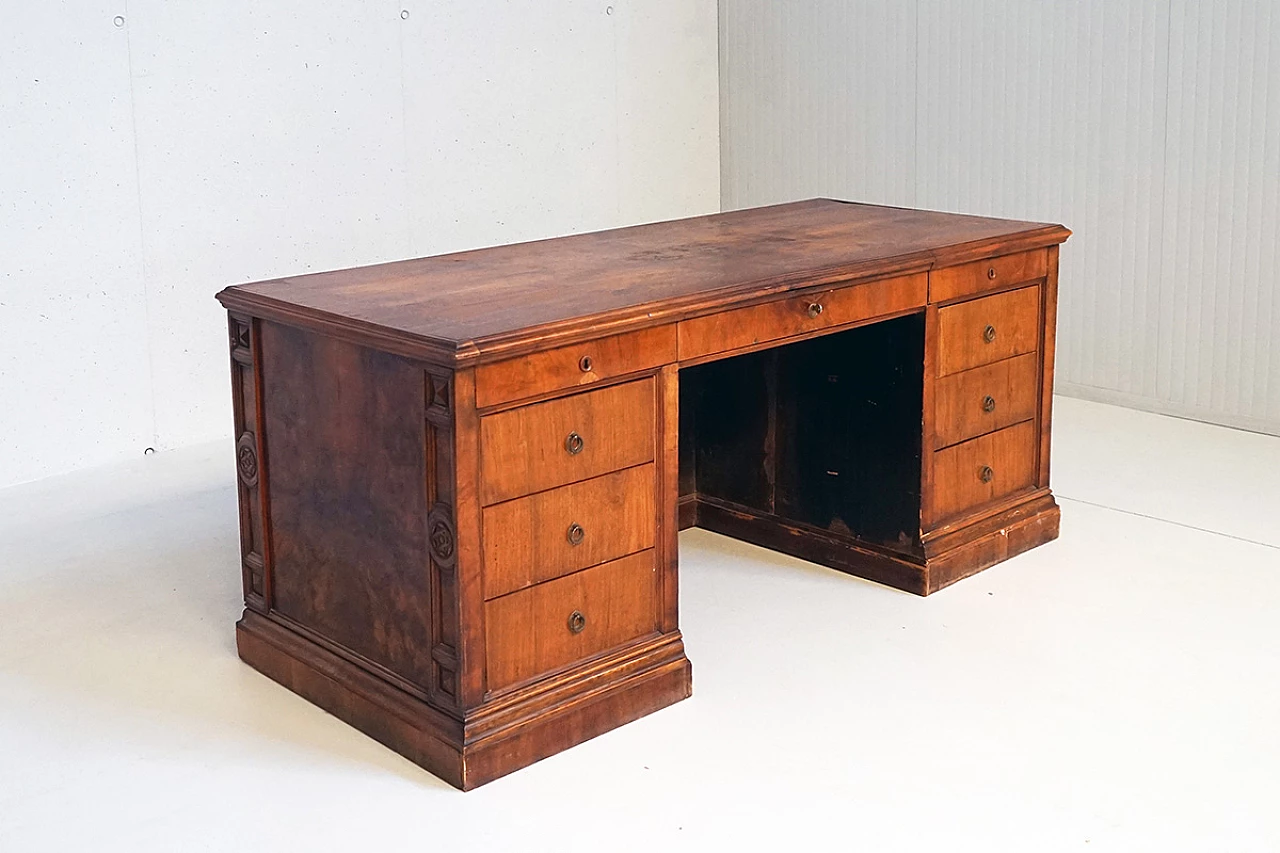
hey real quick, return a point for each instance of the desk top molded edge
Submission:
(623, 277)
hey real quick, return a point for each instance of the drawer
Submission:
(536, 538)
(812, 311)
(574, 365)
(981, 470)
(563, 441)
(984, 330)
(548, 626)
(988, 274)
(986, 399)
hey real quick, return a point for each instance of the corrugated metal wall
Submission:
(1151, 128)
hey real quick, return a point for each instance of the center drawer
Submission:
(799, 315)
(563, 441)
(548, 626)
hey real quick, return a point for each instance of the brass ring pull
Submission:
(815, 308)
(573, 444)
(988, 404)
(576, 534)
(991, 273)
(989, 334)
(577, 622)
(985, 474)
(584, 364)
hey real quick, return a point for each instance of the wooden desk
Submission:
(461, 477)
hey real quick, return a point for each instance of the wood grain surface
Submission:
(526, 450)
(462, 304)
(536, 538)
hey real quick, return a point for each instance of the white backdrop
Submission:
(152, 152)
(1150, 127)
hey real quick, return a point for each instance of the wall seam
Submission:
(142, 230)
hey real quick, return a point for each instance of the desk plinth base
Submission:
(950, 553)
(497, 738)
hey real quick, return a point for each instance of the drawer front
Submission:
(986, 399)
(798, 315)
(575, 365)
(989, 274)
(984, 469)
(984, 330)
(563, 441)
(536, 538)
(553, 624)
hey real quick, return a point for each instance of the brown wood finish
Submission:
(492, 303)
(986, 399)
(980, 331)
(543, 536)
(532, 448)
(545, 627)
(813, 311)
(963, 280)
(574, 366)
(407, 480)
(980, 470)
(350, 420)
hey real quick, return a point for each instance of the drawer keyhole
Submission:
(985, 474)
(577, 622)
(574, 444)
(584, 364)
(991, 273)
(989, 334)
(988, 404)
(576, 534)
(815, 308)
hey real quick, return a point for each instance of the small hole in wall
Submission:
(404, 14)
(118, 20)
(608, 10)
(150, 451)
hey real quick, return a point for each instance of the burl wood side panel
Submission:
(346, 428)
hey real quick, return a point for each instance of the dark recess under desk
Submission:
(823, 433)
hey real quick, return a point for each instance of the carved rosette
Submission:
(441, 537)
(247, 459)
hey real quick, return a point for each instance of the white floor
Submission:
(1116, 690)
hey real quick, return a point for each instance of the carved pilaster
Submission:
(442, 538)
(247, 408)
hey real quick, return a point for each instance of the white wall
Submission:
(1150, 127)
(145, 166)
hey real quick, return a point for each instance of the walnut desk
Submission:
(461, 477)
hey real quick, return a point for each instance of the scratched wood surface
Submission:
(523, 290)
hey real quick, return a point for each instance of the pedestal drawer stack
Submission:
(987, 392)
(568, 525)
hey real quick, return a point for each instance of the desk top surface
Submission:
(624, 277)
